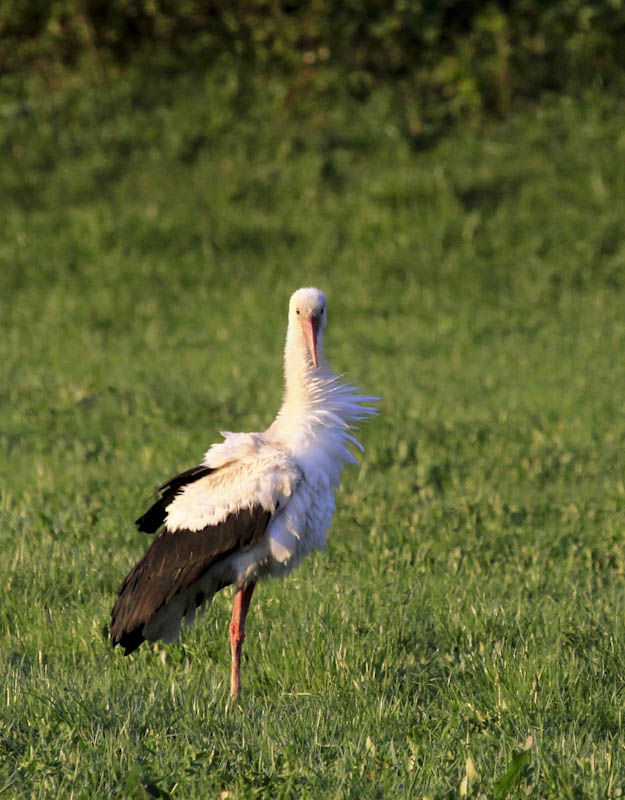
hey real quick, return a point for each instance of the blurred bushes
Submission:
(459, 55)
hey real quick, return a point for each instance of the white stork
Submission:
(257, 504)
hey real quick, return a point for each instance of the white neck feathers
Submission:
(318, 407)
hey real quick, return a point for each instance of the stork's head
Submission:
(308, 314)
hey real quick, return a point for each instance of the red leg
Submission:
(237, 634)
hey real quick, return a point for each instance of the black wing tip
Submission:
(129, 640)
(182, 478)
(154, 517)
(149, 523)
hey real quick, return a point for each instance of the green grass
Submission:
(473, 591)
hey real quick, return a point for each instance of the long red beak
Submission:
(310, 327)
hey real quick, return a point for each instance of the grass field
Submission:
(464, 631)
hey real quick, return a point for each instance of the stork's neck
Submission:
(317, 409)
(303, 382)
(316, 403)
(309, 404)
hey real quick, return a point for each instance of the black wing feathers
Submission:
(173, 562)
(154, 517)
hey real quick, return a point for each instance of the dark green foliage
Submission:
(443, 58)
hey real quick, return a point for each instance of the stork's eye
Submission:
(297, 311)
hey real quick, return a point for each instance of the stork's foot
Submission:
(237, 634)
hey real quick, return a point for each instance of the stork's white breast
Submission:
(300, 527)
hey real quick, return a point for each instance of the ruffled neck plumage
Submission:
(317, 406)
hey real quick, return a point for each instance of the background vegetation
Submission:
(443, 59)
(463, 633)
